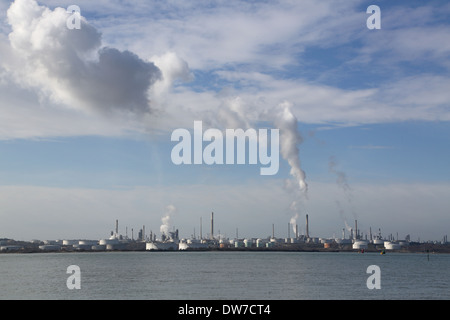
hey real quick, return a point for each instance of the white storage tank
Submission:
(248, 243)
(392, 246)
(108, 241)
(10, 248)
(238, 244)
(360, 245)
(69, 242)
(378, 241)
(259, 243)
(88, 242)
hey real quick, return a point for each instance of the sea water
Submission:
(218, 275)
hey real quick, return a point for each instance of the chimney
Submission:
(356, 229)
(117, 228)
(307, 227)
(212, 225)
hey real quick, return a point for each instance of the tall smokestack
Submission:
(289, 230)
(201, 236)
(212, 225)
(117, 227)
(307, 227)
(273, 231)
(356, 229)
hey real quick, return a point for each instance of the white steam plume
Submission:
(341, 181)
(290, 139)
(165, 227)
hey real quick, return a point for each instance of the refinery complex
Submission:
(170, 241)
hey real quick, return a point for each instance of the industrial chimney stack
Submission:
(307, 227)
(212, 225)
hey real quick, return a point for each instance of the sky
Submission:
(87, 114)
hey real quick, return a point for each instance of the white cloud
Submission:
(240, 43)
(70, 67)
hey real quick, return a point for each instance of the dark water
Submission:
(224, 275)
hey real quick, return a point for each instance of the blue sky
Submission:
(83, 146)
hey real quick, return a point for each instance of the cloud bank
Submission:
(70, 67)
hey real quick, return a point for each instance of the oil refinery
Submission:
(170, 241)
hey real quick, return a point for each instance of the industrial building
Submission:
(356, 241)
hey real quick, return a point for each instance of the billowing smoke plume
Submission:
(290, 140)
(165, 227)
(70, 67)
(341, 180)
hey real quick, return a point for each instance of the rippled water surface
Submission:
(224, 275)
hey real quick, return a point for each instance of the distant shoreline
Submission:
(422, 248)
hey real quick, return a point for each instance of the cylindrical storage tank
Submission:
(88, 242)
(270, 244)
(108, 241)
(259, 243)
(294, 240)
(248, 243)
(392, 246)
(360, 245)
(238, 244)
(112, 246)
(69, 242)
(327, 245)
(378, 241)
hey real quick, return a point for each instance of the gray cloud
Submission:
(70, 67)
